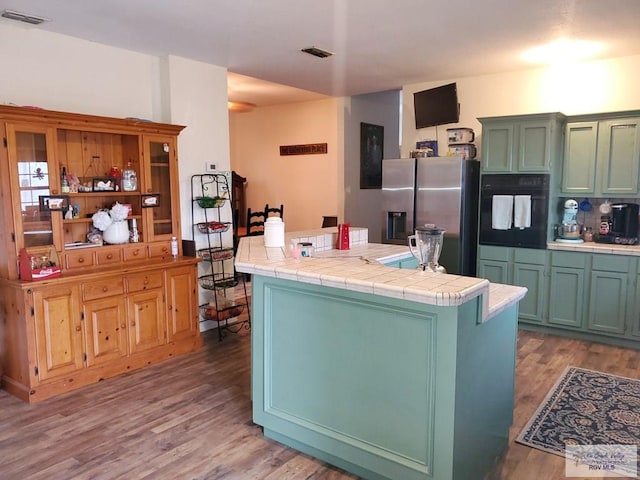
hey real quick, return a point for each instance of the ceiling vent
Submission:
(23, 17)
(317, 52)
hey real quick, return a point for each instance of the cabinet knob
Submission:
(133, 323)
(81, 260)
(110, 256)
(78, 329)
(135, 253)
(104, 289)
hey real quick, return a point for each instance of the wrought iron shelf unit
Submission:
(210, 214)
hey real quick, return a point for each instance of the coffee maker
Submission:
(624, 225)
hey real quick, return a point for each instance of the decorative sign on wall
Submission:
(307, 149)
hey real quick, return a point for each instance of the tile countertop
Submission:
(592, 247)
(361, 269)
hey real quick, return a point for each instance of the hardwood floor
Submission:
(190, 418)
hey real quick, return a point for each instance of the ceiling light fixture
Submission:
(240, 107)
(23, 17)
(316, 52)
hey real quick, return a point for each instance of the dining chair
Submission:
(255, 222)
(277, 211)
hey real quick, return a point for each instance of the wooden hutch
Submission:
(113, 308)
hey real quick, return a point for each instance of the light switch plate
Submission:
(210, 167)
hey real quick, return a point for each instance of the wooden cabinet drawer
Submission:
(160, 249)
(106, 256)
(144, 281)
(134, 252)
(103, 288)
(80, 259)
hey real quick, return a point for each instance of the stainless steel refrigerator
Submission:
(443, 191)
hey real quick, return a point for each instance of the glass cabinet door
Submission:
(30, 152)
(161, 182)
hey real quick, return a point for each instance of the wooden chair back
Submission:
(276, 211)
(255, 222)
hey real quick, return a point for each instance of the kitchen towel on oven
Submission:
(522, 211)
(501, 212)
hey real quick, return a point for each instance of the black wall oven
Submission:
(535, 185)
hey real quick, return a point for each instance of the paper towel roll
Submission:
(274, 232)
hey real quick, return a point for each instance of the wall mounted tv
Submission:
(436, 106)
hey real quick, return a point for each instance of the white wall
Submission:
(196, 96)
(57, 72)
(589, 87)
(309, 186)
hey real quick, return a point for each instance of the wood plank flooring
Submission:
(190, 418)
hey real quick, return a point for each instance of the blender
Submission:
(426, 246)
(569, 230)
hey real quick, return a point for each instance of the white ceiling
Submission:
(378, 44)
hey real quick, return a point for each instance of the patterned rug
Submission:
(585, 407)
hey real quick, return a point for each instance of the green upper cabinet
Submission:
(618, 156)
(601, 157)
(579, 163)
(521, 144)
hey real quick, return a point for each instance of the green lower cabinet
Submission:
(608, 302)
(567, 297)
(495, 271)
(635, 310)
(532, 306)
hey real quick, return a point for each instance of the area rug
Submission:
(585, 407)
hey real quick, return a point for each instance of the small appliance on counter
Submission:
(569, 231)
(426, 246)
(621, 226)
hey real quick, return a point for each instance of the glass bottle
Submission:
(174, 247)
(64, 182)
(129, 179)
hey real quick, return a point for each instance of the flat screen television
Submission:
(436, 106)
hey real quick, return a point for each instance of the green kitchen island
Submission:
(384, 371)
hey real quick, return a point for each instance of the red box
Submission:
(342, 242)
(40, 273)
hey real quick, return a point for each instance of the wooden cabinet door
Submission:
(566, 297)
(532, 307)
(607, 302)
(105, 329)
(146, 320)
(58, 329)
(619, 156)
(534, 146)
(161, 180)
(497, 147)
(579, 162)
(182, 303)
(33, 173)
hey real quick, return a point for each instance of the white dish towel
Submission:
(522, 211)
(501, 212)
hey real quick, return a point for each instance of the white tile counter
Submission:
(593, 247)
(361, 269)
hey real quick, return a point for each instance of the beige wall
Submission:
(589, 87)
(309, 186)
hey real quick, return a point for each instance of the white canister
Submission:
(274, 232)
